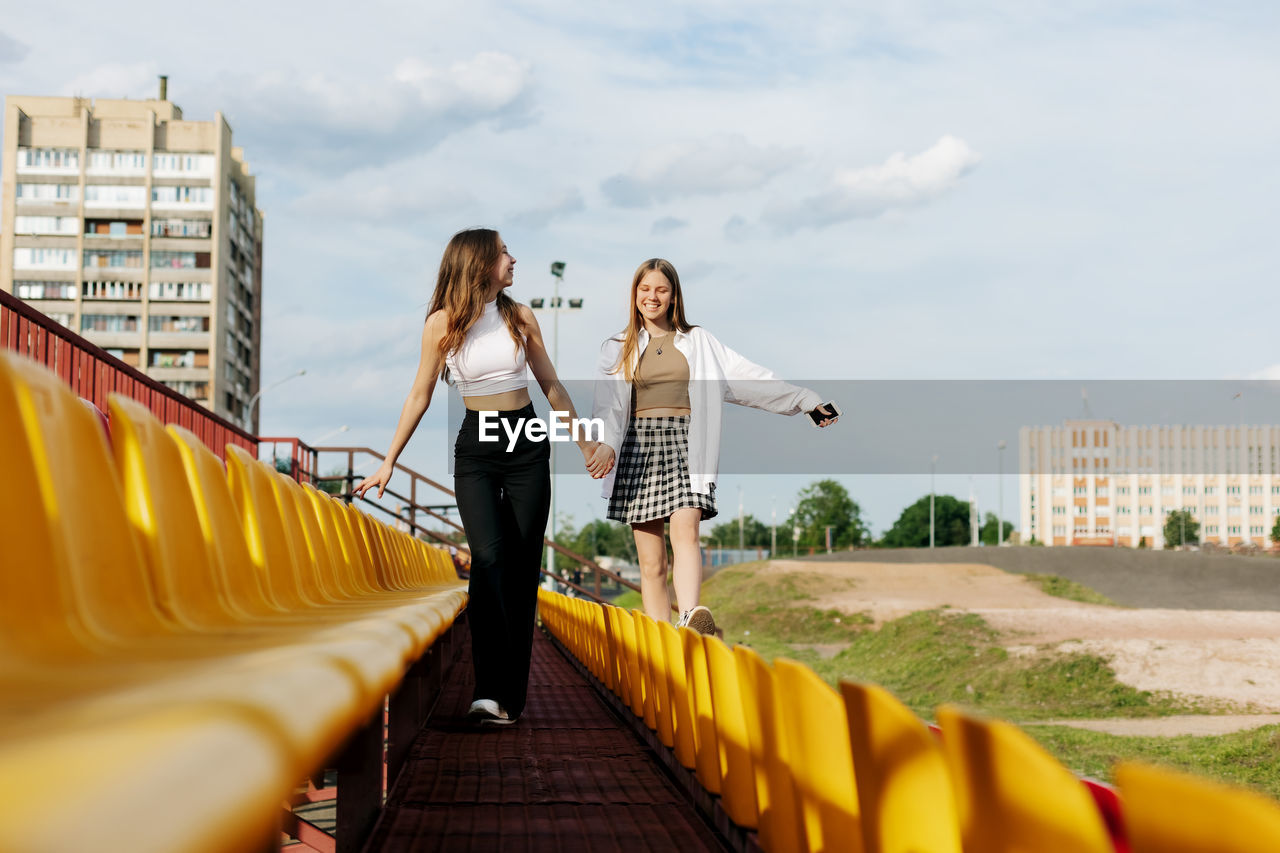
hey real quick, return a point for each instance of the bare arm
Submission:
(415, 405)
(545, 372)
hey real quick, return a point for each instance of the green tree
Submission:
(823, 504)
(990, 529)
(334, 487)
(597, 538)
(950, 524)
(1180, 528)
(755, 533)
(1275, 532)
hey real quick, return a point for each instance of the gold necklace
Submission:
(664, 342)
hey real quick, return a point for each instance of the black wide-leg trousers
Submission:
(503, 497)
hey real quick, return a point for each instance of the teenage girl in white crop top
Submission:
(484, 341)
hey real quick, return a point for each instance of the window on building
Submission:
(104, 161)
(181, 228)
(108, 323)
(127, 290)
(44, 259)
(68, 225)
(177, 323)
(44, 289)
(113, 258)
(48, 159)
(114, 195)
(182, 195)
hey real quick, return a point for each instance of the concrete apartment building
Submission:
(138, 229)
(1094, 482)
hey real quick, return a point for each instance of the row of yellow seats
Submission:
(811, 768)
(179, 642)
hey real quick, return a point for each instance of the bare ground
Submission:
(1231, 656)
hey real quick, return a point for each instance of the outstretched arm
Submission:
(415, 405)
(749, 384)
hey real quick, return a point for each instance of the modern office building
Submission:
(138, 229)
(1094, 482)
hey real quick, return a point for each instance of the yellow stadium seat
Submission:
(1011, 795)
(658, 680)
(818, 747)
(737, 776)
(647, 702)
(1171, 812)
(679, 693)
(706, 746)
(779, 826)
(193, 780)
(83, 640)
(905, 798)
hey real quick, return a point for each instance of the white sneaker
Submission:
(698, 619)
(487, 712)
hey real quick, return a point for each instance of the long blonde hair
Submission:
(630, 336)
(461, 287)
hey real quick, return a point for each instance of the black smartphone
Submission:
(816, 417)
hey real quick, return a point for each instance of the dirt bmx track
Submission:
(1178, 580)
(1192, 624)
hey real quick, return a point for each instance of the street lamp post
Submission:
(253, 401)
(933, 464)
(773, 529)
(556, 306)
(1000, 446)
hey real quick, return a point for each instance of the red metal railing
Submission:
(94, 374)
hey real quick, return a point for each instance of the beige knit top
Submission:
(662, 376)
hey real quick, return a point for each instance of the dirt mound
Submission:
(1181, 580)
(1225, 655)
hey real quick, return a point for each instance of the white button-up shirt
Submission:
(716, 374)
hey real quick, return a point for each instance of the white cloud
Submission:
(668, 225)
(116, 80)
(12, 50)
(400, 192)
(720, 164)
(564, 204)
(899, 182)
(329, 121)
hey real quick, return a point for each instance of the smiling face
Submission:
(503, 272)
(653, 298)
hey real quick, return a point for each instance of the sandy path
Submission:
(1226, 655)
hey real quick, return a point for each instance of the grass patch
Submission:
(933, 656)
(629, 600)
(1249, 758)
(1061, 587)
(768, 609)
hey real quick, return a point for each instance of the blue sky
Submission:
(906, 190)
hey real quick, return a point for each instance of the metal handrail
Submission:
(94, 374)
(414, 507)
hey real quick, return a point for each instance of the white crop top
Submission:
(488, 362)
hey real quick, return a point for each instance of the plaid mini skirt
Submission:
(652, 479)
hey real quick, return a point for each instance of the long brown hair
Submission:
(461, 286)
(675, 314)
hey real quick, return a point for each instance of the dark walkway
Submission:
(569, 776)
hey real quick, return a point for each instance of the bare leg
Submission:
(651, 551)
(687, 554)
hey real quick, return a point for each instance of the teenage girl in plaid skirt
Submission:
(659, 389)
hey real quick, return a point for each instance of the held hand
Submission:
(828, 421)
(379, 478)
(601, 462)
